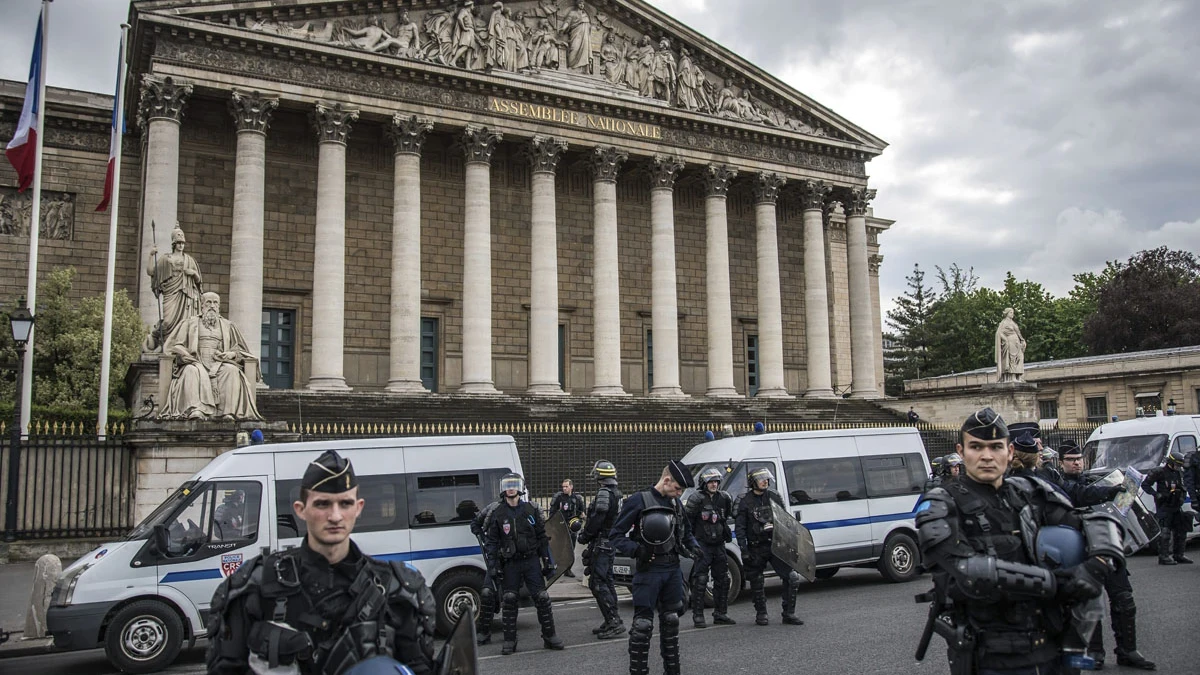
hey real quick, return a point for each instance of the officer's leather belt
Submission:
(1012, 642)
(665, 558)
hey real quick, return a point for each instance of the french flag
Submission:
(22, 149)
(114, 144)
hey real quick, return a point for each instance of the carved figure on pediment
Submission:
(664, 73)
(465, 39)
(548, 9)
(518, 37)
(500, 51)
(175, 279)
(577, 25)
(439, 28)
(738, 107)
(57, 217)
(613, 60)
(693, 94)
(408, 37)
(208, 380)
(641, 64)
(547, 47)
(8, 223)
(371, 37)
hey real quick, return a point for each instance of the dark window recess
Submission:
(892, 475)
(278, 348)
(1048, 409)
(429, 353)
(825, 481)
(562, 356)
(384, 505)
(1097, 409)
(752, 364)
(450, 498)
(649, 359)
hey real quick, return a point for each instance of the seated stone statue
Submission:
(208, 381)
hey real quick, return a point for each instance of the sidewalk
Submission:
(16, 584)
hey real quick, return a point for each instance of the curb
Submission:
(16, 647)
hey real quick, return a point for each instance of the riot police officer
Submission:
(953, 467)
(1191, 476)
(936, 465)
(598, 557)
(1000, 611)
(571, 506)
(754, 525)
(489, 592)
(709, 511)
(1165, 484)
(651, 529)
(323, 606)
(516, 538)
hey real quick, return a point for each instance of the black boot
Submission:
(760, 601)
(1125, 629)
(668, 642)
(1095, 648)
(791, 587)
(614, 630)
(487, 611)
(1165, 548)
(639, 645)
(508, 616)
(541, 602)
(1182, 559)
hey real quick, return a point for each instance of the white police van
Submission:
(1142, 444)
(856, 490)
(143, 596)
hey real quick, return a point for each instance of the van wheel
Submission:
(827, 572)
(454, 592)
(901, 558)
(735, 583)
(143, 637)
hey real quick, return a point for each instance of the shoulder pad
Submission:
(1047, 490)
(934, 514)
(728, 498)
(556, 496)
(694, 500)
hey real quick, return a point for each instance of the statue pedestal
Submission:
(170, 452)
(952, 401)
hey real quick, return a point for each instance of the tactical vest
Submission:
(712, 519)
(518, 539)
(674, 544)
(610, 516)
(760, 521)
(1168, 484)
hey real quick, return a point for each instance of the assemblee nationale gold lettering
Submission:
(545, 113)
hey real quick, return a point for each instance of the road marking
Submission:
(623, 641)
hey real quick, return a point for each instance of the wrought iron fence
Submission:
(69, 485)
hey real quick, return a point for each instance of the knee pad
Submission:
(700, 581)
(794, 579)
(541, 598)
(642, 626)
(1122, 603)
(510, 599)
(669, 621)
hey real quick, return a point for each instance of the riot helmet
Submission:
(950, 462)
(709, 475)
(1175, 460)
(758, 474)
(512, 481)
(936, 465)
(657, 525)
(602, 469)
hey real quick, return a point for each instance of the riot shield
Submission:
(458, 654)
(561, 547)
(792, 543)
(1140, 526)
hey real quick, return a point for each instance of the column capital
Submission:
(408, 133)
(664, 169)
(162, 98)
(544, 153)
(332, 122)
(606, 162)
(814, 194)
(857, 201)
(717, 178)
(873, 263)
(251, 110)
(766, 187)
(479, 143)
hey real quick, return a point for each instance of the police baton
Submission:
(927, 633)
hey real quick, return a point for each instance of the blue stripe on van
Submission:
(200, 575)
(851, 522)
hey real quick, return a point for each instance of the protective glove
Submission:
(1114, 491)
(1083, 581)
(583, 538)
(548, 568)
(697, 553)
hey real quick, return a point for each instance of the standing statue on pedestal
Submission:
(208, 381)
(1010, 350)
(175, 279)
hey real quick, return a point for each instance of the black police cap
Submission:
(680, 473)
(986, 425)
(1018, 428)
(1069, 448)
(1025, 443)
(329, 473)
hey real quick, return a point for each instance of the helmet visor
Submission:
(761, 473)
(512, 483)
(709, 475)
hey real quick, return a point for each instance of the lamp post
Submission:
(21, 322)
(1171, 407)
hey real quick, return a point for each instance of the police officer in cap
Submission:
(651, 529)
(489, 592)
(598, 557)
(709, 511)
(571, 505)
(323, 606)
(516, 538)
(754, 525)
(1165, 484)
(1005, 613)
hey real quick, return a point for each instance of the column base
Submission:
(486, 387)
(779, 392)
(609, 390)
(545, 390)
(328, 384)
(819, 393)
(406, 387)
(722, 392)
(865, 394)
(668, 392)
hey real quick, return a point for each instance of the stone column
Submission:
(332, 122)
(770, 305)
(544, 153)
(664, 303)
(404, 360)
(720, 316)
(161, 109)
(251, 114)
(479, 143)
(816, 298)
(606, 286)
(862, 324)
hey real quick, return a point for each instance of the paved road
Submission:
(855, 623)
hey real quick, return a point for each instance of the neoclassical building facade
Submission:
(531, 197)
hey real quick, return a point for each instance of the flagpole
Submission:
(35, 222)
(113, 208)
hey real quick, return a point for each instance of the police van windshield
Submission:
(164, 512)
(1141, 452)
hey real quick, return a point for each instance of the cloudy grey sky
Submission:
(1038, 136)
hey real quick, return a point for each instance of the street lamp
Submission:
(21, 323)
(1171, 407)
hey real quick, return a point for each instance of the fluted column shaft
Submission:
(770, 305)
(544, 152)
(479, 143)
(329, 254)
(606, 286)
(664, 310)
(404, 357)
(862, 324)
(720, 315)
(252, 115)
(816, 298)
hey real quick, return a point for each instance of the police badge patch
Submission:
(507, 527)
(230, 562)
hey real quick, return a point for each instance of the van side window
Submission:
(221, 512)
(444, 498)
(384, 505)
(892, 475)
(824, 481)
(1184, 444)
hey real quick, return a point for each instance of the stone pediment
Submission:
(620, 49)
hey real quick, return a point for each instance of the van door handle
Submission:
(797, 515)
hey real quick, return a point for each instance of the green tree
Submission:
(963, 322)
(1075, 308)
(909, 329)
(1152, 301)
(67, 347)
